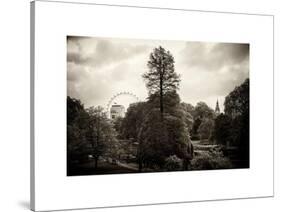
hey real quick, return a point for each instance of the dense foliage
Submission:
(89, 133)
(156, 134)
(232, 127)
(213, 159)
(161, 77)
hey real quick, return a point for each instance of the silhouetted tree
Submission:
(76, 134)
(237, 107)
(74, 108)
(161, 76)
(237, 101)
(223, 129)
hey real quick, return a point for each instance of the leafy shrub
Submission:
(205, 128)
(173, 163)
(212, 159)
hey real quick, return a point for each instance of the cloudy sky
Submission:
(99, 68)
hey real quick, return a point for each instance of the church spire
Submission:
(217, 110)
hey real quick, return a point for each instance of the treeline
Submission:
(162, 126)
(232, 128)
(89, 133)
(161, 141)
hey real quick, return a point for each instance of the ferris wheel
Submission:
(116, 96)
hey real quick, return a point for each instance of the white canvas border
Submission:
(53, 190)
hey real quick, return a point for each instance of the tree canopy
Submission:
(237, 101)
(88, 132)
(161, 77)
(233, 127)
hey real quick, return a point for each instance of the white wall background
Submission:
(14, 107)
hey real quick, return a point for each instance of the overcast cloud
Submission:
(98, 68)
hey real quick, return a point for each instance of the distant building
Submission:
(117, 111)
(217, 110)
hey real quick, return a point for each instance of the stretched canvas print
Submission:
(142, 105)
(138, 106)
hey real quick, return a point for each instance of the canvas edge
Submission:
(32, 107)
(32, 112)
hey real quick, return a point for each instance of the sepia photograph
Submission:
(144, 106)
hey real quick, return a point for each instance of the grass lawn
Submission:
(103, 168)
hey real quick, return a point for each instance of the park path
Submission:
(124, 165)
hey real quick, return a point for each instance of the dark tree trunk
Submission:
(140, 165)
(140, 162)
(96, 162)
(161, 97)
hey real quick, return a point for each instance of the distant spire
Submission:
(217, 110)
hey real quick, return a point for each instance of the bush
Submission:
(205, 129)
(173, 163)
(213, 159)
(195, 137)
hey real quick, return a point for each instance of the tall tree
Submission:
(133, 119)
(160, 138)
(161, 76)
(100, 133)
(237, 101)
(74, 108)
(236, 106)
(76, 127)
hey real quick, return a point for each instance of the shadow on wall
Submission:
(24, 204)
